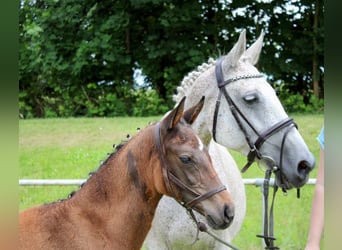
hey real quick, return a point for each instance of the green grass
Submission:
(66, 149)
(71, 148)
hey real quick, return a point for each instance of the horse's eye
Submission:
(250, 98)
(185, 159)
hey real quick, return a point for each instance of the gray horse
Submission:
(260, 129)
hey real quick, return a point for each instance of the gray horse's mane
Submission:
(190, 78)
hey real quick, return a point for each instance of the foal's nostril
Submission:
(228, 214)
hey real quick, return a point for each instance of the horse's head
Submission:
(247, 116)
(188, 173)
(268, 135)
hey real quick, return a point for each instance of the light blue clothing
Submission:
(320, 138)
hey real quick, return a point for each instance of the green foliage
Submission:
(316, 104)
(147, 103)
(138, 102)
(67, 45)
(297, 103)
(25, 111)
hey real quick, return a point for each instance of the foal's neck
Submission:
(121, 197)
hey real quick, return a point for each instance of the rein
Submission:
(169, 178)
(254, 152)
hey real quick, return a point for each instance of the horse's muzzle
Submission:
(225, 221)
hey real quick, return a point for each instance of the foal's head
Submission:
(187, 173)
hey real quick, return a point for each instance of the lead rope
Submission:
(268, 235)
(268, 219)
(202, 227)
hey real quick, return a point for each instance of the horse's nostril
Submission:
(228, 213)
(303, 165)
(304, 168)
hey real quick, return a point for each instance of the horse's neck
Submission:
(202, 86)
(206, 85)
(121, 197)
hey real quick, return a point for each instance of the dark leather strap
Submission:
(170, 177)
(236, 112)
(161, 152)
(217, 107)
(268, 224)
(220, 78)
(205, 196)
(254, 152)
(254, 147)
(181, 185)
(219, 72)
(272, 130)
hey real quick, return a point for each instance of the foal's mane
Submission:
(117, 149)
(190, 79)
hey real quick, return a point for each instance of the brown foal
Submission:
(115, 207)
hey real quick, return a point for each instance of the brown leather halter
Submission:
(254, 152)
(170, 179)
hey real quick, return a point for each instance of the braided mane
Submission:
(190, 78)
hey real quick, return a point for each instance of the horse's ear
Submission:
(253, 52)
(191, 114)
(173, 117)
(236, 52)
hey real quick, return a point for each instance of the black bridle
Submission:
(254, 151)
(170, 179)
(239, 116)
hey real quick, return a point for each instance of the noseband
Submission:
(254, 151)
(170, 178)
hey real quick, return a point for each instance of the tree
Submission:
(172, 37)
(294, 44)
(77, 56)
(68, 49)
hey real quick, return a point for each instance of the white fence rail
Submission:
(74, 182)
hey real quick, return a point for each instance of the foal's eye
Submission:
(185, 159)
(250, 98)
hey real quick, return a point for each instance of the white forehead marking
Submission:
(200, 144)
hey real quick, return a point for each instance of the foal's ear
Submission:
(172, 119)
(191, 114)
